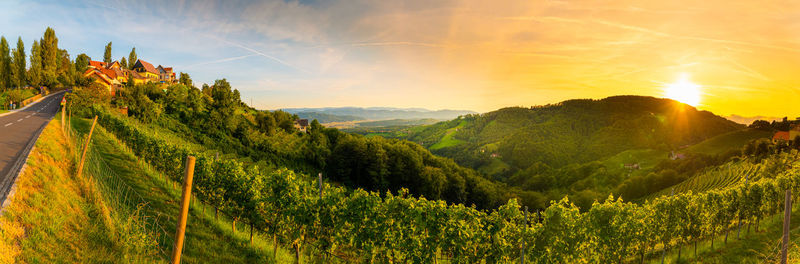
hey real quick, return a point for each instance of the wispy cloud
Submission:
(217, 61)
(444, 54)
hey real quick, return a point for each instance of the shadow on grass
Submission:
(207, 240)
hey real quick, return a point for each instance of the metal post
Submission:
(787, 214)
(185, 197)
(86, 146)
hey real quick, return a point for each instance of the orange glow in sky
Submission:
(736, 57)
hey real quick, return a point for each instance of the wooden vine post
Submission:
(86, 146)
(787, 214)
(63, 117)
(184, 213)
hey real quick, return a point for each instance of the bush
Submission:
(83, 98)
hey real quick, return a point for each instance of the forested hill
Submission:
(573, 131)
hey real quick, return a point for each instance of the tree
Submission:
(49, 53)
(185, 79)
(107, 54)
(66, 71)
(20, 64)
(82, 63)
(132, 58)
(123, 62)
(6, 71)
(35, 72)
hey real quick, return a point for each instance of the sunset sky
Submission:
(476, 55)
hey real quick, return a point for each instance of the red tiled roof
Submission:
(97, 64)
(781, 135)
(148, 67)
(108, 72)
(134, 74)
(169, 69)
(98, 73)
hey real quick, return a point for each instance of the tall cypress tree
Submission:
(5, 64)
(66, 70)
(123, 63)
(20, 64)
(49, 57)
(35, 72)
(107, 54)
(132, 58)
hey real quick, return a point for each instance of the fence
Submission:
(124, 199)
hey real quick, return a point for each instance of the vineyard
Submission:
(357, 225)
(730, 174)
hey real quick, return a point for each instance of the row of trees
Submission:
(49, 65)
(125, 63)
(398, 227)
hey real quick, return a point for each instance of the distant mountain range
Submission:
(344, 114)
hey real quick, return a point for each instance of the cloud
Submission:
(444, 54)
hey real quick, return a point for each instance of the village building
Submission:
(780, 136)
(165, 74)
(631, 166)
(676, 156)
(301, 124)
(786, 136)
(102, 79)
(112, 76)
(795, 132)
(146, 70)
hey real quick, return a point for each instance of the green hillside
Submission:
(580, 147)
(575, 131)
(728, 141)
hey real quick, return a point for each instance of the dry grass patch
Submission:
(55, 217)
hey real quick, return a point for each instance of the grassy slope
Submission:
(55, 217)
(728, 141)
(448, 140)
(646, 158)
(207, 240)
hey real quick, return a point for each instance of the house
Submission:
(301, 124)
(165, 74)
(781, 136)
(631, 166)
(102, 78)
(97, 64)
(676, 156)
(114, 65)
(137, 78)
(146, 70)
(795, 132)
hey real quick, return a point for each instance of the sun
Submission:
(683, 90)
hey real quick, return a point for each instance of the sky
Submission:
(474, 55)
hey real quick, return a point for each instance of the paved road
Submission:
(18, 132)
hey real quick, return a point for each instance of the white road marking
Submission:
(19, 120)
(8, 124)
(28, 116)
